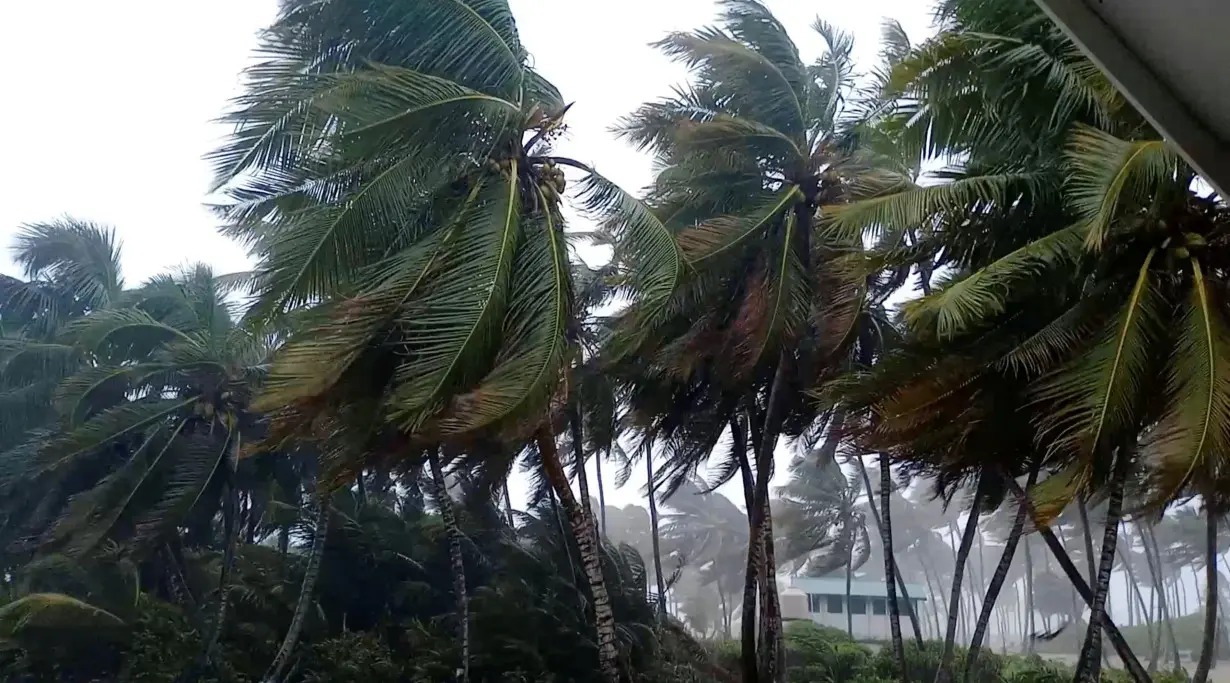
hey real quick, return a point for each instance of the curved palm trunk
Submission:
(306, 589)
(889, 560)
(1210, 600)
(1159, 582)
(932, 592)
(653, 529)
(601, 492)
(1030, 627)
(749, 663)
(1138, 673)
(944, 673)
(586, 537)
(1134, 589)
(997, 582)
(849, 576)
(508, 510)
(448, 515)
(772, 656)
(1088, 667)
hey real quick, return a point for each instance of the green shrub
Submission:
(354, 657)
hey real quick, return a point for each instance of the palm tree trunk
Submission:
(1155, 568)
(932, 593)
(653, 529)
(306, 589)
(444, 502)
(586, 537)
(1029, 627)
(1210, 599)
(749, 662)
(772, 656)
(944, 673)
(508, 509)
(849, 576)
(1138, 673)
(889, 563)
(1088, 667)
(1140, 599)
(997, 581)
(601, 492)
(1087, 536)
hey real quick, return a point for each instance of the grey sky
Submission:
(110, 114)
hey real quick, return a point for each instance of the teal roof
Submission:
(837, 586)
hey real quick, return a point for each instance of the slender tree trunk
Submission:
(772, 657)
(508, 509)
(1159, 579)
(725, 611)
(1134, 589)
(997, 581)
(933, 593)
(278, 667)
(849, 576)
(944, 673)
(751, 580)
(889, 564)
(1029, 628)
(444, 502)
(1138, 673)
(1087, 536)
(653, 528)
(1088, 667)
(601, 491)
(586, 537)
(1210, 599)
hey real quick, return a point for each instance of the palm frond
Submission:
(1110, 175)
(974, 300)
(535, 346)
(721, 235)
(1089, 403)
(1191, 436)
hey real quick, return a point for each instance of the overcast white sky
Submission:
(109, 105)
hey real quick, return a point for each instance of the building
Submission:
(823, 600)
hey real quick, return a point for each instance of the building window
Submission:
(858, 604)
(879, 606)
(834, 604)
(814, 603)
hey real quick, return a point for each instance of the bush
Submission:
(354, 657)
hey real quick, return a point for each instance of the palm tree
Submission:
(820, 522)
(750, 150)
(310, 576)
(392, 173)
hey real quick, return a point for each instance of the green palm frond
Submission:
(735, 135)
(52, 611)
(763, 91)
(1089, 403)
(121, 333)
(725, 234)
(978, 298)
(652, 259)
(337, 336)
(455, 327)
(108, 426)
(198, 459)
(81, 258)
(833, 74)
(534, 349)
(915, 207)
(91, 516)
(652, 125)
(1110, 175)
(1191, 437)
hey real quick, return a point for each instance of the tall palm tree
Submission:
(751, 149)
(391, 170)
